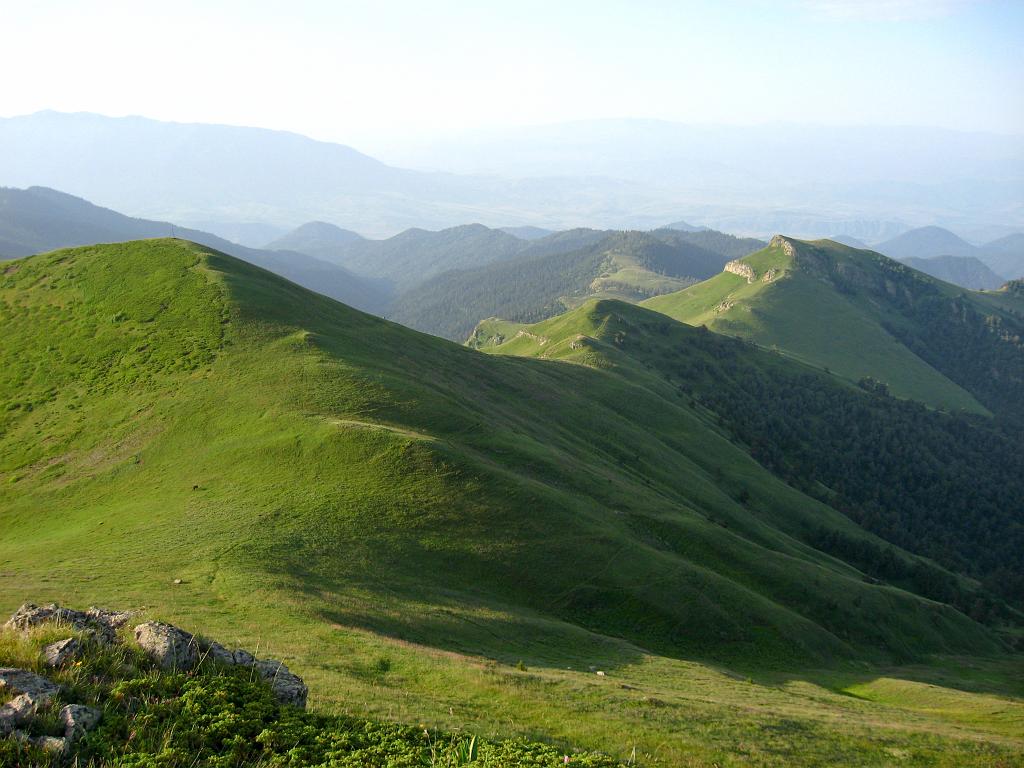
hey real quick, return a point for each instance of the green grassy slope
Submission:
(944, 486)
(860, 314)
(320, 478)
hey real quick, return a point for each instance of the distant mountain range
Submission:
(416, 255)
(1004, 256)
(445, 282)
(869, 183)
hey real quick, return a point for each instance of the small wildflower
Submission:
(565, 759)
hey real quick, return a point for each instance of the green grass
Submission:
(340, 490)
(802, 314)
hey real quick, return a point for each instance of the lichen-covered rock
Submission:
(288, 687)
(52, 744)
(78, 719)
(16, 712)
(34, 692)
(97, 626)
(113, 619)
(37, 687)
(217, 652)
(170, 647)
(60, 653)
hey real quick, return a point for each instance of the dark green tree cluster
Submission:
(528, 290)
(946, 486)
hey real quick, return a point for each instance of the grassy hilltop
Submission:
(403, 519)
(860, 314)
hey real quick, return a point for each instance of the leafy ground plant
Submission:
(223, 717)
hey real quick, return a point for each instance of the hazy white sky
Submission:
(368, 73)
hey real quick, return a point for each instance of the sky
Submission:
(380, 72)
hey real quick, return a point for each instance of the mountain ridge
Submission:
(40, 219)
(875, 317)
(547, 277)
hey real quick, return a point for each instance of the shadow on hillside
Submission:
(534, 640)
(997, 676)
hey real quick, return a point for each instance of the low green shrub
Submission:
(226, 717)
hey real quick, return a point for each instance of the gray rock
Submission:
(34, 692)
(113, 619)
(78, 719)
(31, 615)
(15, 712)
(170, 647)
(36, 687)
(60, 653)
(288, 688)
(217, 652)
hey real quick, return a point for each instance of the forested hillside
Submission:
(415, 255)
(947, 487)
(965, 271)
(626, 265)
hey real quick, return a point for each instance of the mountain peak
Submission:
(787, 246)
(314, 234)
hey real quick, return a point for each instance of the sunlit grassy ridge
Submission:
(319, 477)
(848, 310)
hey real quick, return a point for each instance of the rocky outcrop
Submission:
(541, 340)
(168, 646)
(34, 692)
(79, 719)
(288, 687)
(742, 269)
(60, 653)
(174, 648)
(785, 244)
(97, 623)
